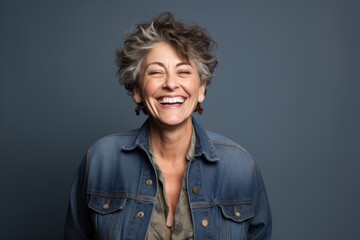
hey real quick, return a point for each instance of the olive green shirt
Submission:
(182, 227)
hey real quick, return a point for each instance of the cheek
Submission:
(148, 89)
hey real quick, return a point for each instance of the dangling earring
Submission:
(199, 108)
(137, 109)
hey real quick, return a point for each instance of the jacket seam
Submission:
(215, 203)
(144, 198)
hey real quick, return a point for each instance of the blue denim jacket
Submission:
(114, 190)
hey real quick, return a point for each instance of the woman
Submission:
(170, 179)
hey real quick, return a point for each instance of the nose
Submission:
(171, 82)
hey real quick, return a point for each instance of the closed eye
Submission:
(152, 73)
(184, 72)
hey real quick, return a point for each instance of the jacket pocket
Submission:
(233, 219)
(106, 203)
(108, 213)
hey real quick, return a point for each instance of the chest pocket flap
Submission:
(237, 212)
(105, 204)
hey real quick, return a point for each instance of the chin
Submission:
(174, 120)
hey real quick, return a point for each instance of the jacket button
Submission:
(204, 223)
(141, 214)
(196, 190)
(105, 206)
(149, 182)
(237, 213)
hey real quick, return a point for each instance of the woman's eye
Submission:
(184, 72)
(154, 73)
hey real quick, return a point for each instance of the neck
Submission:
(171, 143)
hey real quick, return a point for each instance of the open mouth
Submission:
(171, 100)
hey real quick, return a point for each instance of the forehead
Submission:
(165, 52)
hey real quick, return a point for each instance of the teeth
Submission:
(172, 100)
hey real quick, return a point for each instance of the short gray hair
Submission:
(191, 41)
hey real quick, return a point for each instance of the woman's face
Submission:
(169, 86)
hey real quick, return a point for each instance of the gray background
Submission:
(287, 89)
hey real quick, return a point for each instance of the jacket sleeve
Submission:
(260, 225)
(78, 224)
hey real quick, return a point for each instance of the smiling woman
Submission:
(170, 179)
(170, 88)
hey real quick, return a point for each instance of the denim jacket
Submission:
(114, 190)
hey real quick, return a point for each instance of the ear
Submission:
(202, 91)
(137, 95)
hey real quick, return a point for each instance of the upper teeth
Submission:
(172, 100)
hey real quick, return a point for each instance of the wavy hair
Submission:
(191, 41)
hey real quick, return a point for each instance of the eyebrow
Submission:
(162, 65)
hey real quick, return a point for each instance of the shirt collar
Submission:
(203, 146)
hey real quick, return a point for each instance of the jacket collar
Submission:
(204, 145)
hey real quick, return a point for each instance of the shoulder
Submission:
(220, 141)
(106, 157)
(231, 155)
(234, 167)
(113, 142)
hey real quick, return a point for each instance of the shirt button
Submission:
(204, 223)
(196, 190)
(149, 182)
(141, 214)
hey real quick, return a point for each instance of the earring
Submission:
(199, 108)
(137, 109)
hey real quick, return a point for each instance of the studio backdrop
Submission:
(287, 89)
